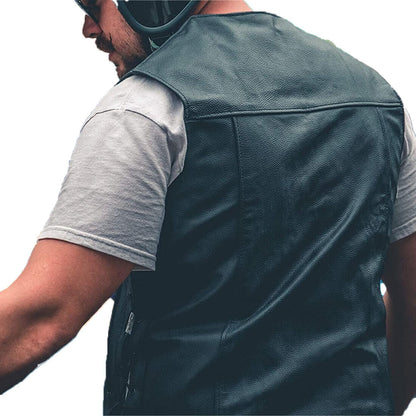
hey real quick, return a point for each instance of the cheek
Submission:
(132, 45)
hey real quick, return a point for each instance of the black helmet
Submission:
(158, 19)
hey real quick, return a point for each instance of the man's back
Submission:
(269, 227)
(68, 278)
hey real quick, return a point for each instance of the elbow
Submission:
(51, 337)
(27, 344)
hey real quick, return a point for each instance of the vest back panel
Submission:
(265, 298)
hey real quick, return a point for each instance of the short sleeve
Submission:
(404, 213)
(112, 198)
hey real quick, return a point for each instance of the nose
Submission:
(91, 29)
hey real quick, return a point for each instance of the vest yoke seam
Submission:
(295, 110)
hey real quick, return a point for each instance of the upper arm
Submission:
(129, 151)
(400, 268)
(400, 265)
(65, 284)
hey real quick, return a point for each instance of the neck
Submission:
(221, 7)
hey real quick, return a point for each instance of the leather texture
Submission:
(266, 296)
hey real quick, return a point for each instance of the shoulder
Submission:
(404, 215)
(146, 97)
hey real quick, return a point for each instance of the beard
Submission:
(128, 57)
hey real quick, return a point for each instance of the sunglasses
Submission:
(88, 10)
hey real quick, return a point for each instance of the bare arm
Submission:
(400, 301)
(62, 286)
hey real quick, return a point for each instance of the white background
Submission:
(51, 79)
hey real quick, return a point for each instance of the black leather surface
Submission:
(266, 296)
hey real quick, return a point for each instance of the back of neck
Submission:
(222, 7)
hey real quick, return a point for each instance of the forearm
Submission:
(27, 338)
(61, 287)
(401, 338)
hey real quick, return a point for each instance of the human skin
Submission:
(49, 302)
(64, 284)
(113, 35)
(125, 47)
(400, 301)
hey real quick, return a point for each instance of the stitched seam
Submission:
(98, 239)
(126, 110)
(388, 206)
(386, 145)
(297, 110)
(241, 194)
(219, 389)
(169, 85)
(388, 203)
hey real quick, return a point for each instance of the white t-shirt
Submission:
(130, 149)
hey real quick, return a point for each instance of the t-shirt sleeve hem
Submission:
(403, 231)
(142, 260)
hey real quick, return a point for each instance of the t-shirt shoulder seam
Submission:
(123, 109)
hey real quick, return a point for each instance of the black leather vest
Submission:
(265, 298)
